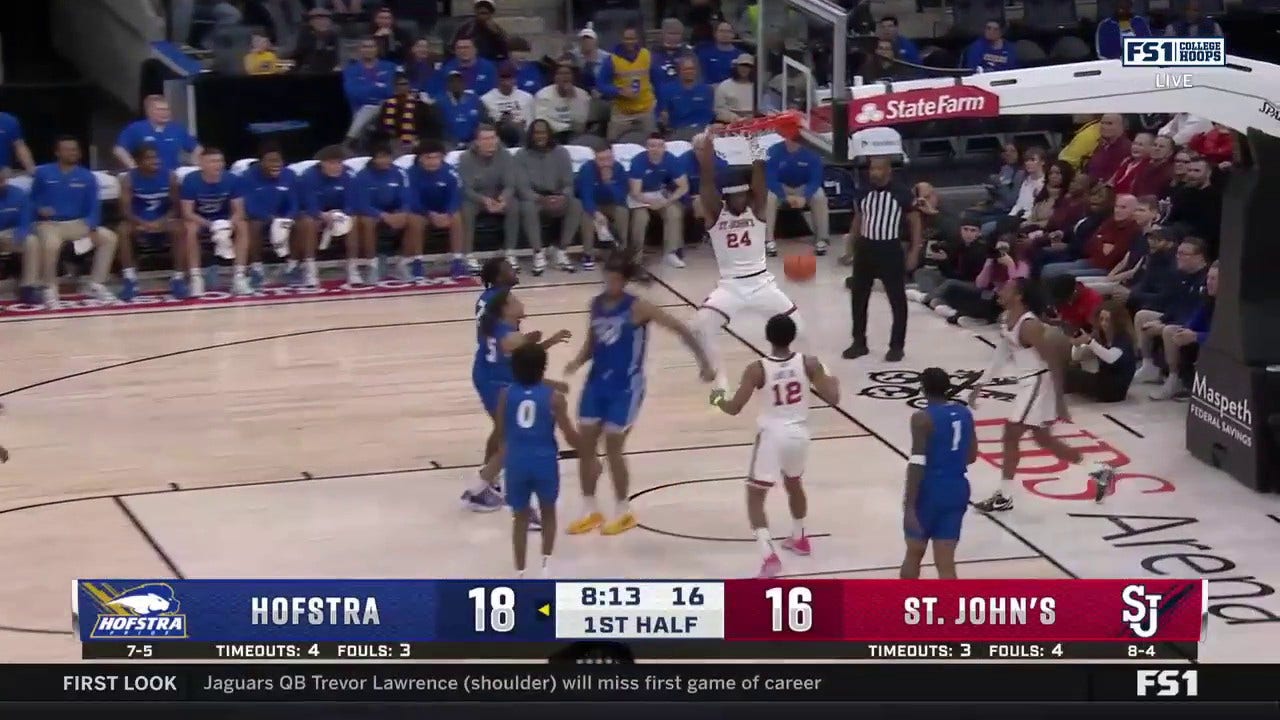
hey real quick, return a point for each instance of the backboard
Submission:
(801, 54)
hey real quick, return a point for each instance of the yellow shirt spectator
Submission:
(1082, 144)
(621, 73)
(264, 62)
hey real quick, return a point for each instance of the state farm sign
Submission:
(949, 103)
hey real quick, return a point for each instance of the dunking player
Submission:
(943, 444)
(499, 334)
(1039, 357)
(737, 233)
(782, 442)
(529, 411)
(615, 344)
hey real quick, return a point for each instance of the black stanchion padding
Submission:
(1235, 389)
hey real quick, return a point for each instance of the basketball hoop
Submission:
(787, 124)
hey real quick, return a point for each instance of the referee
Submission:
(884, 216)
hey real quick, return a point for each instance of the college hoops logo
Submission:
(905, 385)
(946, 103)
(1142, 611)
(144, 612)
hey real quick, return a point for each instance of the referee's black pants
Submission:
(886, 260)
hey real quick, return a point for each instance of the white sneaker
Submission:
(354, 279)
(1172, 386)
(513, 261)
(50, 297)
(402, 270)
(473, 265)
(1147, 373)
(99, 292)
(539, 262)
(373, 272)
(971, 323)
(820, 247)
(674, 260)
(561, 259)
(195, 282)
(915, 295)
(240, 285)
(944, 311)
(310, 276)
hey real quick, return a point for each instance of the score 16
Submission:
(779, 610)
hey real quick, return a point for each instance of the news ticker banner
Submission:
(719, 682)
(412, 619)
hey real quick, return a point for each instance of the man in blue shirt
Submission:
(13, 145)
(717, 58)
(367, 82)
(148, 214)
(903, 48)
(668, 54)
(68, 210)
(212, 202)
(382, 212)
(658, 181)
(479, 75)
(326, 193)
(16, 216)
(991, 52)
(460, 110)
(271, 205)
(436, 201)
(171, 140)
(794, 175)
(686, 107)
(602, 186)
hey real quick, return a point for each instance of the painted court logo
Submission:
(905, 385)
(948, 103)
(144, 612)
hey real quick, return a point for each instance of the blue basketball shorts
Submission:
(488, 391)
(527, 477)
(614, 408)
(937, 522)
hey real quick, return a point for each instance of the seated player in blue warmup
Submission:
(943, 445)
(498, 335)
(213, 208)
(382, 210)
(149, 216)
(435, 200)
(271, 205)
(326, 196)
(529, 411)
(616, 341)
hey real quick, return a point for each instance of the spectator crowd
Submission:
(1120, 227)
(1121, 230)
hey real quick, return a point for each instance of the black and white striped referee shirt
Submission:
(882, 212)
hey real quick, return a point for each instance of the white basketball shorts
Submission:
(1035, 404)
(759, 294)
(777, 455)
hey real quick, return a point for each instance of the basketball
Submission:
(800, 267)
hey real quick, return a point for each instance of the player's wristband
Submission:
(916, 460)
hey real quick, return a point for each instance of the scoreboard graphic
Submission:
(678, 619)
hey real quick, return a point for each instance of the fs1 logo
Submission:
(1168, 683)
(1141, 613)
(1174, 52)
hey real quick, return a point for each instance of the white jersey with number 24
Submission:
(738, 241)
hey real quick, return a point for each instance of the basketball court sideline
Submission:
(331, 439)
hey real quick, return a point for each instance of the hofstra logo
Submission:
(957, 101)
(143, 612)
(1230, 417)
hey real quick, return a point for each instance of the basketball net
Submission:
(787, 124)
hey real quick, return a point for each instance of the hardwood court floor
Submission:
(332, 440)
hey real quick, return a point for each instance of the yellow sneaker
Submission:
(586, 524)
(619, 525)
